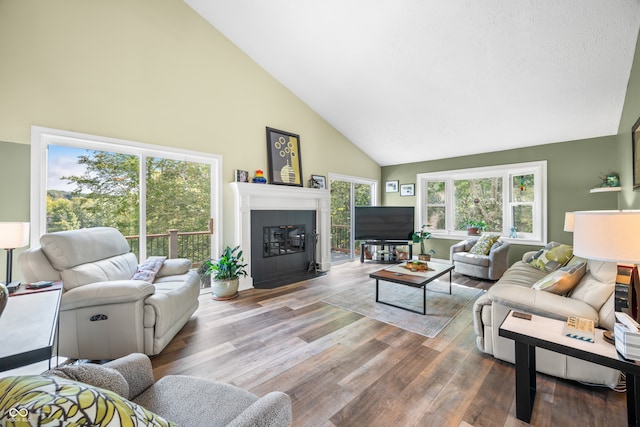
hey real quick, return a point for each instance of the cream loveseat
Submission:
(104, 313)
(592, 298)
(123, 392)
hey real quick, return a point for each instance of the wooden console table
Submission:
(29, 325)
(547, 333)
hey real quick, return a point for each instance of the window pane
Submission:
(178, 198)
(436, 217)
(478, 199)
(341, 217)
(523, 218)
(435, 193)
(89, 188)
(522, 189)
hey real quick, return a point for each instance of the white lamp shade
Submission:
(568, 222)
(14, 234)
(607, 235)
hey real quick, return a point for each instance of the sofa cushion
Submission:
(597, 285)
(553, 256)
(120, 267)
(59, 401)
(563, 280)
(147, 270)
(67, 249)
(484, 243)
(469, 258)
(173, 267)
(521, 274)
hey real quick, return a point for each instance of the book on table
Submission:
(580, 328)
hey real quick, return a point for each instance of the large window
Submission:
(163, 200)
(510, 199)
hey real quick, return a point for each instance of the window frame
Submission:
(507, 172)
(42, 137)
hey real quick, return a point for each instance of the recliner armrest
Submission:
(271, 410)
(541, 303)
(101, 293)
(137, 371)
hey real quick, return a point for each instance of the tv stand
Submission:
(391, 257)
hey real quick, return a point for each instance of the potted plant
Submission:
(419, 237)
(224, 273)
(474, 228)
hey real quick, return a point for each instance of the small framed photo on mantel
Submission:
(318, 181)
(240, 175)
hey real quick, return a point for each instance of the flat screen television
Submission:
(384, 223)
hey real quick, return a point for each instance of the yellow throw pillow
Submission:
(563, 280)
(553, 256)
(40, 400)
(484, 243)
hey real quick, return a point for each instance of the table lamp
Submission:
(568, 222)
(13, 235)
(607, 235)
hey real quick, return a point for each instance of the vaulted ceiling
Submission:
(414, 80)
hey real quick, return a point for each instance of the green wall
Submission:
(150, 71)
(629, 199)
(573, 168)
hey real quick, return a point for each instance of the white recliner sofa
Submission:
(104, 313)
(591, 298)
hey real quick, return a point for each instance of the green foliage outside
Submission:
(178, 196)
(481, 199)
(341, 211)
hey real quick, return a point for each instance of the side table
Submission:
(29, 326)
(547, 333)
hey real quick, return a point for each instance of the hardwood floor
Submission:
(344, 369)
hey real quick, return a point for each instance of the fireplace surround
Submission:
(254, 197)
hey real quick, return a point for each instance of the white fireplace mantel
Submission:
(250, 196)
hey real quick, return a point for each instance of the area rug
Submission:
(442, 308)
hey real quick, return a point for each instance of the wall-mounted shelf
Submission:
(605, 189)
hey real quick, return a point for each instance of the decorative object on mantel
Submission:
(318, 181)
(285, 163)
(226, 272)
(240, 175)
(259, 178)
(635, 154)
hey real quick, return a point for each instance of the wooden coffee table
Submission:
(403, 276)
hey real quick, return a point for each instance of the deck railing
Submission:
(340, 238)
(193, 245)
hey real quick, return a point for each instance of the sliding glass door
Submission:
(346, 193)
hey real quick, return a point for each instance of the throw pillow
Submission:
(484, 243)
(93, 374)
(552, 257)
(40, 400)
(563, 280)
(148, 269)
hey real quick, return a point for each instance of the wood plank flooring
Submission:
(344, 369)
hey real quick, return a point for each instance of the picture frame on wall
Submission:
(283, 152)
(407, 189)
(391, 186)
(319, 182)
(635, 140)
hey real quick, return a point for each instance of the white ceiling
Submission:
(414, 80)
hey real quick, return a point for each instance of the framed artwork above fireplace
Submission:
(283, 152)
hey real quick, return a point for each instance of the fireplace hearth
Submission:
(285, 208)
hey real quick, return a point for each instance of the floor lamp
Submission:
(13, 235)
